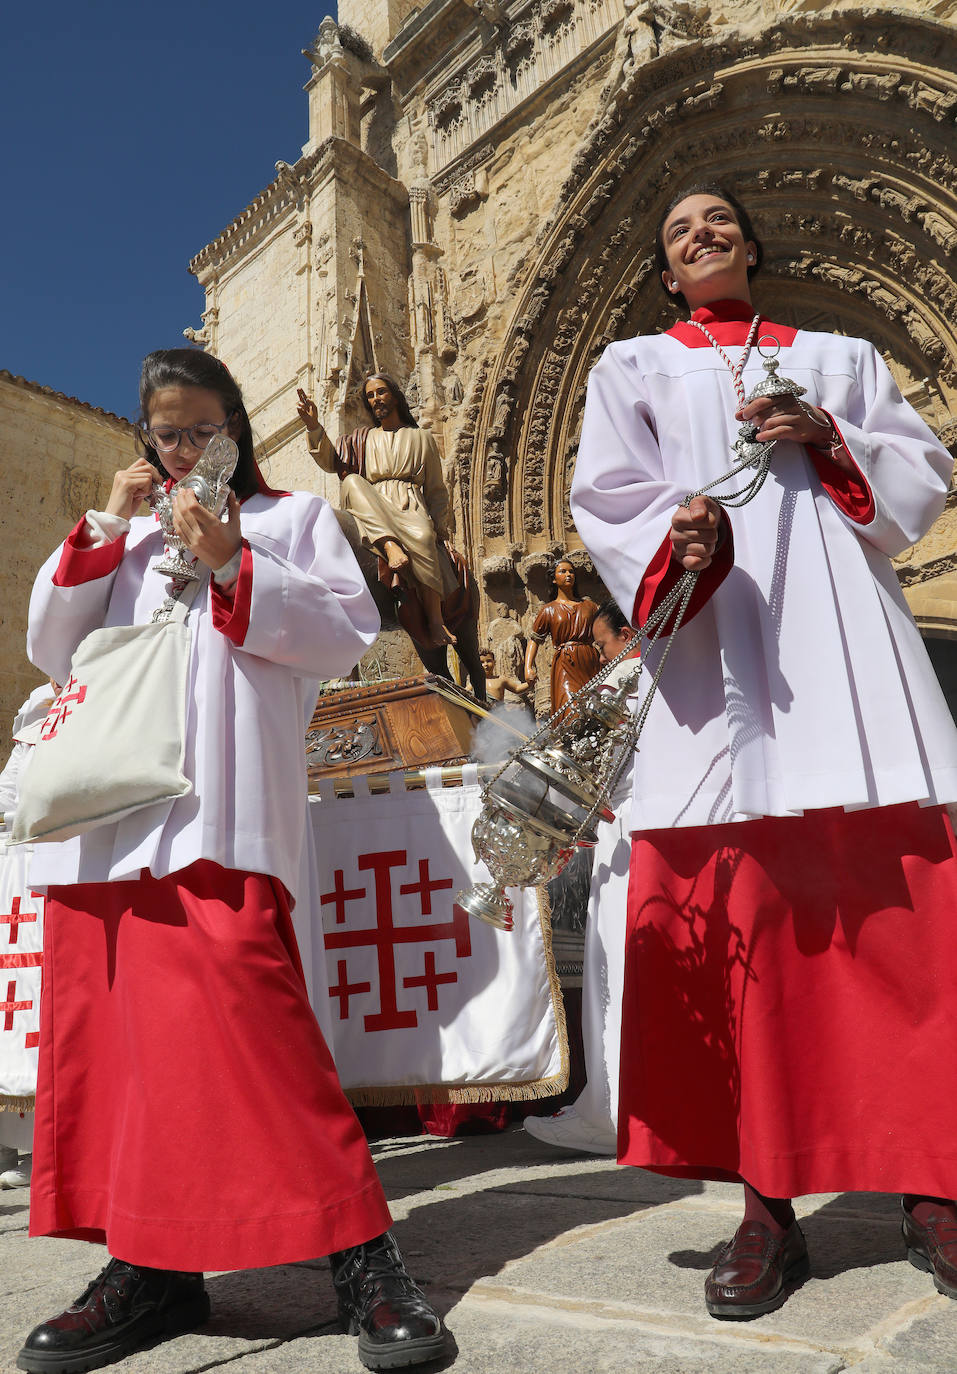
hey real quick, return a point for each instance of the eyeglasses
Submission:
(166, 439)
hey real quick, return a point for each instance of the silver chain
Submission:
(675, 601)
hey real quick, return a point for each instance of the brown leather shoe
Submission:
(933, 1247)
(755, 1271)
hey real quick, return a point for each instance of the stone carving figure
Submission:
(638, 38)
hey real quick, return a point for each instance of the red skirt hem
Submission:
(197, 1246)
(790, 1003)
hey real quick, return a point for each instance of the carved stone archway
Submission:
(842, 151)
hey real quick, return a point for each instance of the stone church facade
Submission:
(475, 208)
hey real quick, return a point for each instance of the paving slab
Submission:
(634, 1262)
(506, 1334)
(13, 1214)
(544, 1262)
(929, 1340)
(491, 1229)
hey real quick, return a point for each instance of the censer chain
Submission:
(676, 600)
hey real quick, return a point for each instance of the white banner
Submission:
(21, 956)
(428, 1004)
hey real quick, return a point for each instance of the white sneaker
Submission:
(18, 1177)
(569, 1131)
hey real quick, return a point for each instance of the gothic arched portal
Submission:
(842, 151)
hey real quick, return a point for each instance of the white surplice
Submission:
(311, 616)
(802, 682)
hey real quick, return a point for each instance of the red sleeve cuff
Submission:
(848, 490)
(231, 617)
(664, 571)
(78, 564)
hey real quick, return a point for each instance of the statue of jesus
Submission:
(392, 485)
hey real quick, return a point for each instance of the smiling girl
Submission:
(791, 979)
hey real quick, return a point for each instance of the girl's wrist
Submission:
(827, 437)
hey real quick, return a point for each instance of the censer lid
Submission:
(773, 384)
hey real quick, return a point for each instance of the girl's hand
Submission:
(308, 411)
(131, 486)
(212, 540)
(784, 417)
(694, 533)
(531, 675)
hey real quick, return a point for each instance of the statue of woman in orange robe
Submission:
(567, 619)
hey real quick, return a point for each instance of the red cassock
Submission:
(190, 1116)
(789, 1009)
(790, 998)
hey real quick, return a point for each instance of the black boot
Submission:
(379, 1302)
(123, 1309)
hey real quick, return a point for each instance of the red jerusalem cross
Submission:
(10, 1006)
(61, 708)
(344, 989)
(425, 887)
(430, 980)
(15, 920)
(340, 894)
(385, 935)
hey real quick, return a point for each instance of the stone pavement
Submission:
(543, 1263)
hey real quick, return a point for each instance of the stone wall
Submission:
(58, 457)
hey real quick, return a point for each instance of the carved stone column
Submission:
(334, 89)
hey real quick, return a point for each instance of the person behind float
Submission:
(567, 620)
(590, 1123)
(793, 871)
(391, 483)
(24, 909)
(175, 1020)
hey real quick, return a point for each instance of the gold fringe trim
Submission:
(412, 1094)
(18, 1104)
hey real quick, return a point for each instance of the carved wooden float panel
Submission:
(383, 726)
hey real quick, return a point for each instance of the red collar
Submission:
(729, 322)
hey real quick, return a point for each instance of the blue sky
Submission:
(132, 135)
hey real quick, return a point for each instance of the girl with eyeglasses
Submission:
(181, 1063)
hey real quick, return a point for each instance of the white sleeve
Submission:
(10, 776)
(60, 617)
(308, 608)
(621, 501)
(907, 469)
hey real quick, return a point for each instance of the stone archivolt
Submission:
(843, 155)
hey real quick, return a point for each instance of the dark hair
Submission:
(706, 188)
(553, 586)
(405, 414)
(192, 367)
(610, 610)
